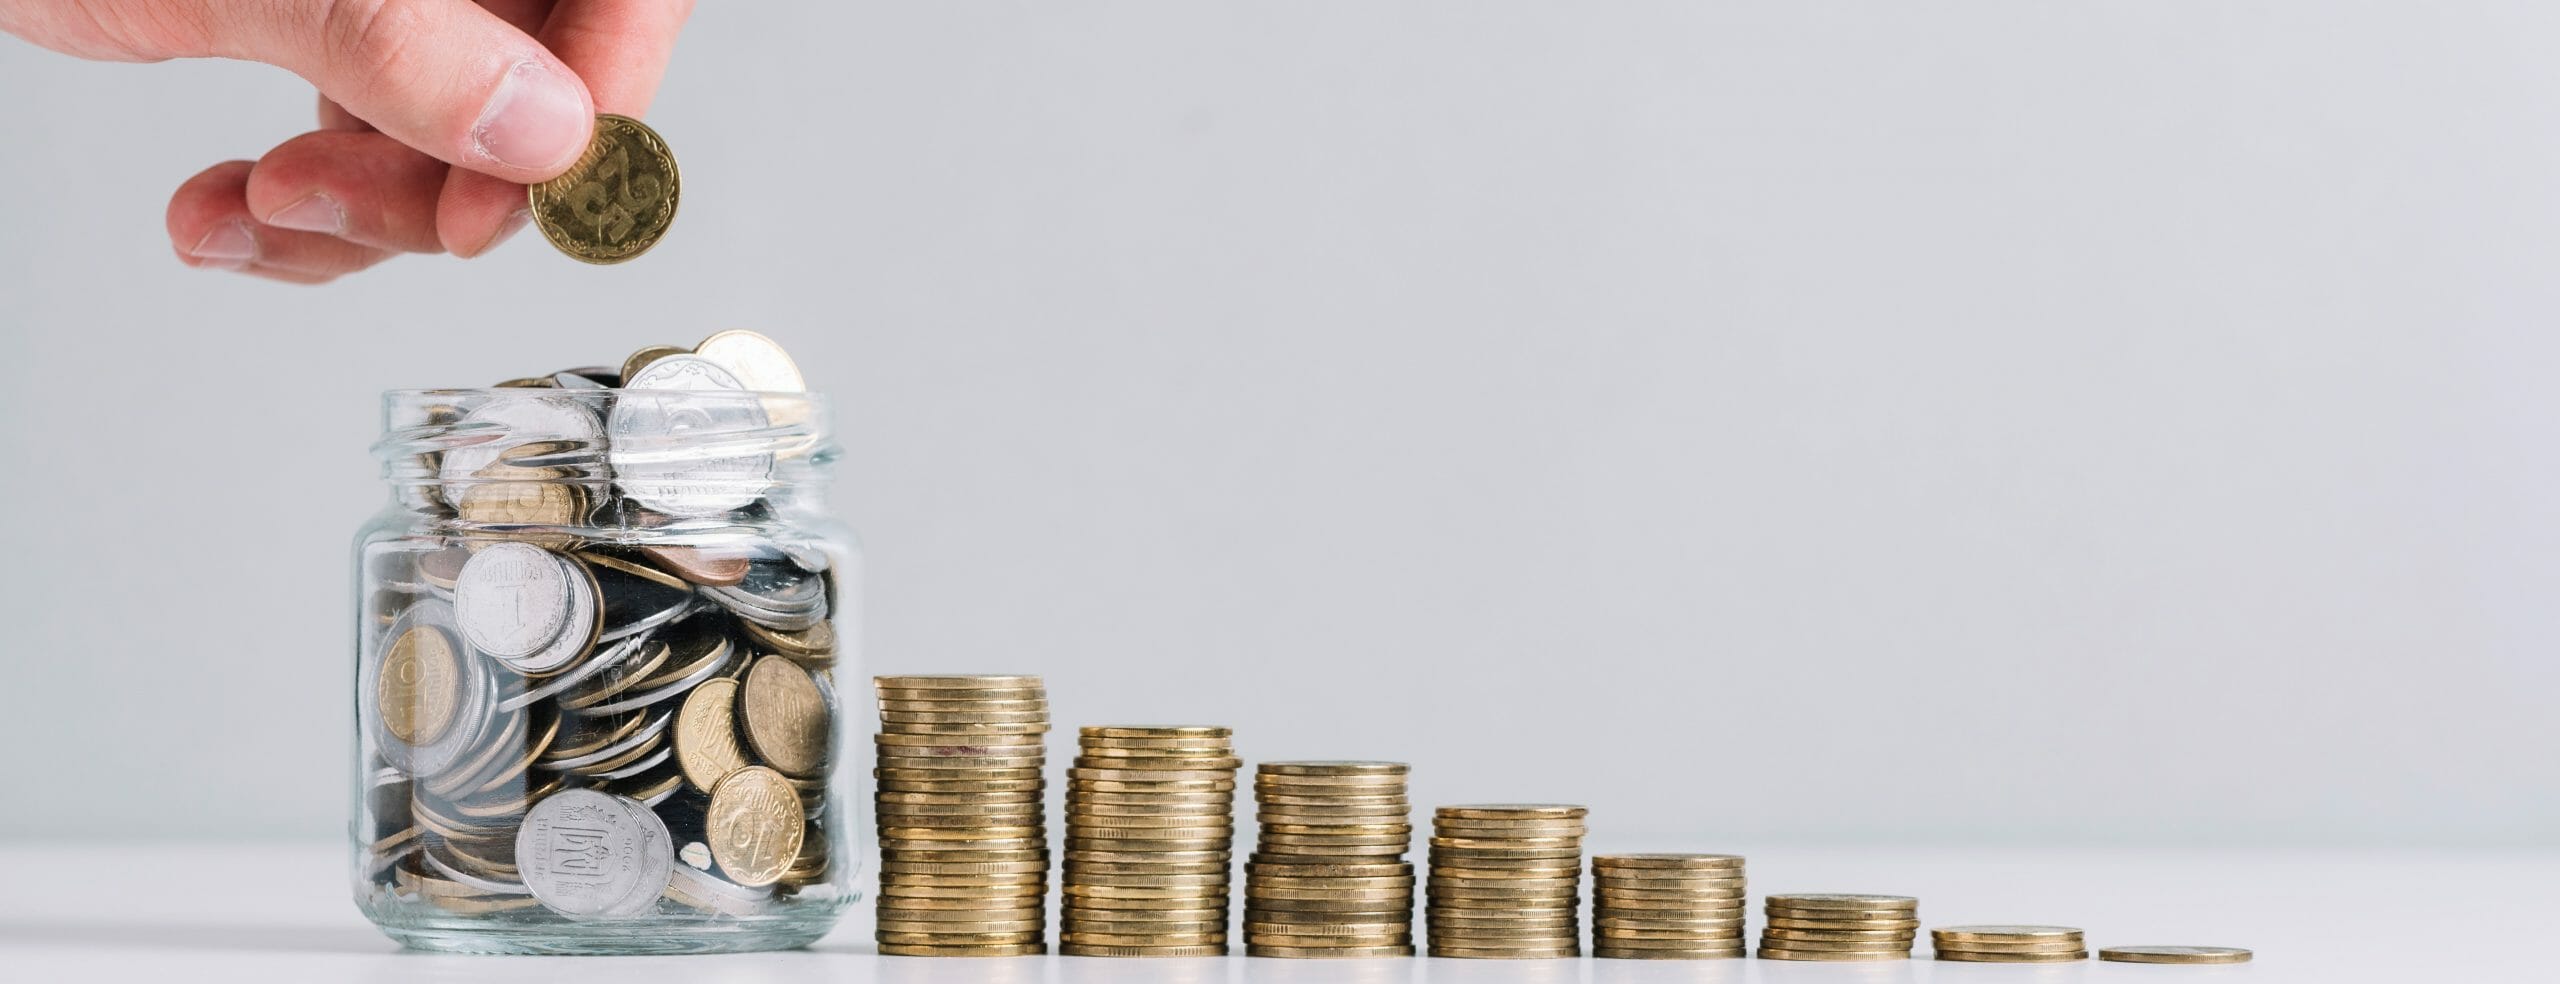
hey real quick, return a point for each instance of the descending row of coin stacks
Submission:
(1839, 927)
(1328, 877)
(1506, 881)
(2009, 944)
(1667, 906)
(964, 842)
(1150, 831)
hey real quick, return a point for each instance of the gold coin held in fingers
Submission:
(616, 201)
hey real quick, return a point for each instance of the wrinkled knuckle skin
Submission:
(374, 43)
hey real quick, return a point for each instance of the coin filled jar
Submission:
(597, 637)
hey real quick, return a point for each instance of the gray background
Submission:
(1968, 422)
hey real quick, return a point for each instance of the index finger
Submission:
(620, 47)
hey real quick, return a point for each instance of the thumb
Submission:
(444, 76)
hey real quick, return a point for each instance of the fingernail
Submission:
(536, 120)
(228, 245)
(515, 222)
(317, 213)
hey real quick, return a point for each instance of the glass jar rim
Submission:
(500, 392)
(456, 435)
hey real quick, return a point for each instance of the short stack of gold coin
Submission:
(1329, 876)
(1840, 927)
(2009, 944)
(964, 842)
(2156, 954)
(1506, 881)
(1667, 906)
(1150, 833)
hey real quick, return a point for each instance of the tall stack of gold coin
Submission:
(2009, 944)
(1506, 881)
(1667, 906)
(1840, 927)
(1150, 831)
(964, 841)
(1329, 877)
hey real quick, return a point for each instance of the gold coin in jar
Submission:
(755, 826)
(707, 747)
(418, 685)
(786, 716)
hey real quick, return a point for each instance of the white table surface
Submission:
(91, 912)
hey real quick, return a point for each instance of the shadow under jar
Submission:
(596, 646)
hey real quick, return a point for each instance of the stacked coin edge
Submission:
(1329, 877)
(1150, 842)
(1668, 906)
(960, 799)
(1836, 927)
(1505, 881)
(2009, 944)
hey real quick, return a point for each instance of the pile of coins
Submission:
(1329, 876)
(964, 836)
(1150, 830)
(575, 707)
(683, 435)
(2009, 944)
(1667, 906)
(1839, 927)
(1506, 881)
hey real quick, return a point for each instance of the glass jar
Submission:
(596, 644)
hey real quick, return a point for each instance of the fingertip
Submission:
(211, 227)
(363, 186)
(230, 244)
(536, 123)
(515, 223)
(619, 48)
(202, 196)
(479, 213)
(206, 218)
(284, 276)
(204, 263)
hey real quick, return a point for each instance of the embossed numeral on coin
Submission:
(614, 211)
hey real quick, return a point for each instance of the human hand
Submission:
(433, 114)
